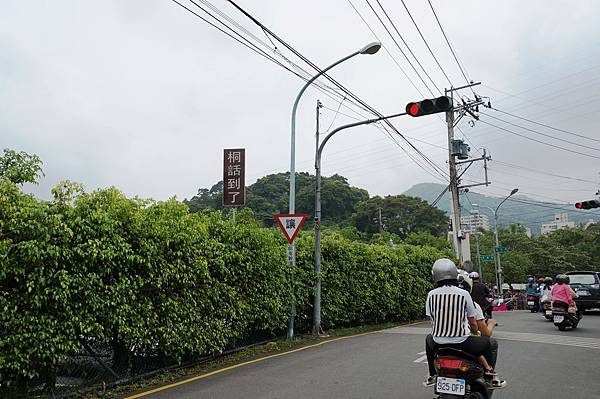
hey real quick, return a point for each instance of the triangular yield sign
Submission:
(290, 224)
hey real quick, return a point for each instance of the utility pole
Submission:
(456, 227)
(317, 303)
(456, 148)
(379, 219)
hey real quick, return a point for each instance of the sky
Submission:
(144, 96)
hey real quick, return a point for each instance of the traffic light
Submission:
(429, 106)
(587, 204)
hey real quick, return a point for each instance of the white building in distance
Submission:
(475, 221)
(561, 221)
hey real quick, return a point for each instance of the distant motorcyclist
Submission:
(532, 294)
(546, 290)
(562, 294)
(532, 287)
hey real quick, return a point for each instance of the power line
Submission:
(540, 133)
(400, 48)
(511, 165)
(406, 44)
(426, 44)
(385, 48)
(539, 141)
(428, 161)
(449, 45)
(249, 44)
(257, 50)
(547, 126)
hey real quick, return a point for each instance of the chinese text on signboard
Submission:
(234, 163)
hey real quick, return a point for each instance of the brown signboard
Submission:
(234, 174)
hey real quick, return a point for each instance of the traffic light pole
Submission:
(317, 304)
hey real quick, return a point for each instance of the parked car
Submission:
(587, 287)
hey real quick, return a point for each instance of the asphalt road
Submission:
(536, 359)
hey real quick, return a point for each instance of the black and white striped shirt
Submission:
(448, 307)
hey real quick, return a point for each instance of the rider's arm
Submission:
(473, 324)
(486, 327)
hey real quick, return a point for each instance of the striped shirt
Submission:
(449, 307)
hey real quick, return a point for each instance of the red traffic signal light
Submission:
(587, 204)
(429, 106)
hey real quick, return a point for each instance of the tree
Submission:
(206, 199)
(270, 195)
(403, 215)
(547, 255)
(20, 167)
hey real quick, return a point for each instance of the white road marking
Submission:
(421, 359)
(581, 342)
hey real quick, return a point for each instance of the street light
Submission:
(317, 304)
(499, 273)
(369, 49)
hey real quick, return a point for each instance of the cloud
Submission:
(144, 96)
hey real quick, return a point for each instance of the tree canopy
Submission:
(270, 195)
(560, 251)
(401, 215)
(20, 167)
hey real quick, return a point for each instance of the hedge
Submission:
(152, 279)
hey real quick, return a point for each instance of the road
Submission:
(391, 364)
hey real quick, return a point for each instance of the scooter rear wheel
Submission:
(476, 395)
(562, 327)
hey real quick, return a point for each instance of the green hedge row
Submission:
(151, 279)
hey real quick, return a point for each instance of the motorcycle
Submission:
(532, 303)
(562, 318)
(547, 309)
(459, 376)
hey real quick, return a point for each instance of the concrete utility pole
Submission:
(467, 107)
(456, 227)
(380, 219)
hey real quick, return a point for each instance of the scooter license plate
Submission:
(558, 318)
(453, 386)
(530, 303)
(548, 313)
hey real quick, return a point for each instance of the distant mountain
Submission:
(512, 212)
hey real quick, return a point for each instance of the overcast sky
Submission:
(142, 95)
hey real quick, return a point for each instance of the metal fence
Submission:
(99, 366)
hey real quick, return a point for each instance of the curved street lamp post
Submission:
(369, 49)
(499, 272)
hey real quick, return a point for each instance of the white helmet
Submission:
(464, 281)
(444, 269)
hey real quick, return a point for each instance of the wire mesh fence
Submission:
(102, 365)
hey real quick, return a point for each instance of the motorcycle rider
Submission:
(532, 289)
(545, 290)
(452, 314)
(481, 294)
(485, 329)
(562, 294)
